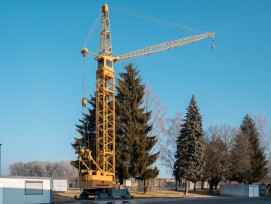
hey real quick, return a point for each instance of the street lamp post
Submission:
(0, 159)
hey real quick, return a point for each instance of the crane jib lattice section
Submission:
(163, 46)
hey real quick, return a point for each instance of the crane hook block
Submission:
(84, 51)
(84, 102)
(213, 45)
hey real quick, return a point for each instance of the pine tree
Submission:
(133, 142)
(189, 162)
(86, 129)
(257, 155)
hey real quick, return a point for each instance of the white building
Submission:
(22, 190)
(60, 185)
(251, 190)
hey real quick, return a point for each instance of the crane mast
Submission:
(103, 176)
(105, 101)
(103, 161)
(105, 41)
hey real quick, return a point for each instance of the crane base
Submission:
(105, 193)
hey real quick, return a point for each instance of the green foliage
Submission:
(248, 160)
(257, 155)
(133, 142)
(190, 146)
(150, 173)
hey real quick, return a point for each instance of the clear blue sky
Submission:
(41, 65)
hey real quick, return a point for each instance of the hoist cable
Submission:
(93, 29)
(87, 134)
(84, 70)
(84, 95)
(157, 20)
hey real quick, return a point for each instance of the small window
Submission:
(108, 63)
(101, 63)
(33, 188)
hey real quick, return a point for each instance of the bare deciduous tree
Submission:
(58, 169)
(218, 143)
(153, 103)
(264, 128)
(168, 147)
(268, 176)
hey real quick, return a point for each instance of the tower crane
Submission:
(101, 178)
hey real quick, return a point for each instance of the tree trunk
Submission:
(194, 186)
(176, 185)
(146, 186)
(121, 181)
(202, 185)
(211, 188)
(186, 187)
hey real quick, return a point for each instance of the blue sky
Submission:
(41, 65)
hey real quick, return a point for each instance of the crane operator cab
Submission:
(105, 67)
(107, 62)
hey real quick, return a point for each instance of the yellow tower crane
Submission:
(101, 179)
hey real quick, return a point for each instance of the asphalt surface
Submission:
(205, 200)
(209, 200)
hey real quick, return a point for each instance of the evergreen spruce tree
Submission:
(133, 142)
(189, 163)
(257, 155)
(86, 129)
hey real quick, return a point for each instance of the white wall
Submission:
(1, 193)
(198, 185)
(240, 190)
(14, 190)
(60, 185)
(254, 191)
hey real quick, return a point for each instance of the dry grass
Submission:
(157, 194)
(68, 197)
(168, 194)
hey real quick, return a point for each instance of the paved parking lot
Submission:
(207, 200)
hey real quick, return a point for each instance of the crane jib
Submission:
(163, 46)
